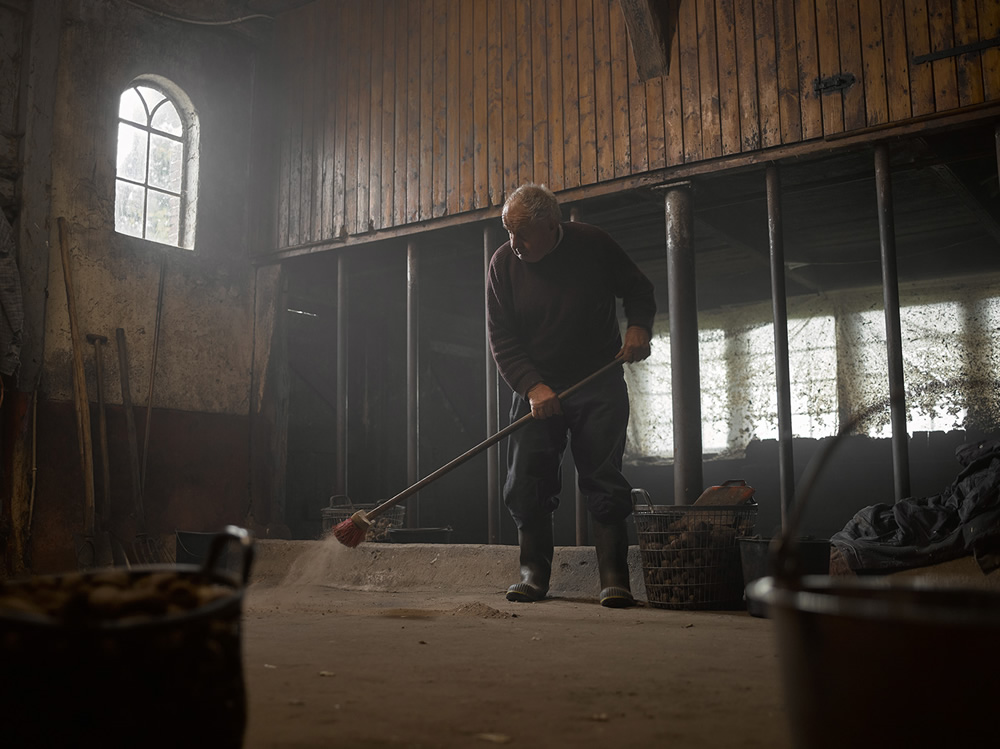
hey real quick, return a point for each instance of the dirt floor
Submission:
(416, 646)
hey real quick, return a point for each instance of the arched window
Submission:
(157, 165)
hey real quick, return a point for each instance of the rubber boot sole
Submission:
(614, 597)
(524, 593)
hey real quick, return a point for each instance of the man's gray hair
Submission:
(537, 202)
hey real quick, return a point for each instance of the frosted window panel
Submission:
(162, 222)
(131, 153)
(128, 208)
(165, 160)
(131, 108)
(151, 96)
(165, 118)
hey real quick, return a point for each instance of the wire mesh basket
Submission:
(691, 556)
(341, 508)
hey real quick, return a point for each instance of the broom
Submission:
(352, 531)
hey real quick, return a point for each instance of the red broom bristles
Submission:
(351, 532)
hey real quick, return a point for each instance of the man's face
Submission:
(530, 239)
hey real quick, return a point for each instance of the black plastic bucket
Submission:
(140, 657)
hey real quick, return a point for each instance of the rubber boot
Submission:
(611, 544)
(535, 540)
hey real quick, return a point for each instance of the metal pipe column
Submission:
(492, 404)
(580, 505)
(893, 333)
(341, 427)
(412, 382)
(782, 374)
(685, 370)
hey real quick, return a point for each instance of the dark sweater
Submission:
(556, 321)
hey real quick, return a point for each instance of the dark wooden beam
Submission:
(651, 26)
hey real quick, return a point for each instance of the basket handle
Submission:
(230, 533)
(643, 495)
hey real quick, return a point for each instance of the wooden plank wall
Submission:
(403, 111)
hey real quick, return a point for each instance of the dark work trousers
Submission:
(594, 420)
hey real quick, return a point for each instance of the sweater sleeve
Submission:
(510, 356)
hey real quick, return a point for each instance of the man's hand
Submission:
(636, 346)
(544, 401)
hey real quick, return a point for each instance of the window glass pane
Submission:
(130, 108)
(165, 161)
(128, 208)
(163, 218)
(131, 153)
(165, 118)
(151, 96)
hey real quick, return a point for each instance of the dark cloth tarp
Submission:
(962, 520)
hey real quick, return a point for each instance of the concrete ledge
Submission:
(452, 567)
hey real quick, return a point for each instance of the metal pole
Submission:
(685, 371)
(412, 381)
(580, 504)
(783, 380)
(893, 333)
(492, 408)
(341, 455)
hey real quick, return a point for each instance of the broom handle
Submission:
(375, 512)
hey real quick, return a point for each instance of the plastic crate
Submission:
(342, 509)
(691, 556)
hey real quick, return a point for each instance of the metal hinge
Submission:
(832, 84)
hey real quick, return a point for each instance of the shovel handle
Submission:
(490, 441)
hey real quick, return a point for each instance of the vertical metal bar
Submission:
(893, 333)
(492, 406)
(412, 382)
(580, 504)
(685, 370)
(341, 455)
(783, 380)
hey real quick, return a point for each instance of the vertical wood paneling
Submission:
(638, 144)
(494, 102)
(588, 116)
(687, 37)
(571, 97)
(969, 66)
(767, 81)
(453, 104)
(873, 57)
(395, 111)
(553, 46)
(619, 91)
(540, 93)
(439, 116)
(989, 28)
(942, 34)
(340, 142)
(428, 22)
(602, 90)
(363, 133)
(480, 106)
(673, 119)
(391, 51)
(829, 64)
(328, 23)
(467, 109)
(509, 106)
(789, 112)
(525, 101)
(808, 58)
(897, 71)
(919, 43)
(850, 61)
(401, 113)
(746, 66)
(708, 77)
(729, 95)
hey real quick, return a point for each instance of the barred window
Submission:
(156, 182)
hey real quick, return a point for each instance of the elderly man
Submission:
(553, 320)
